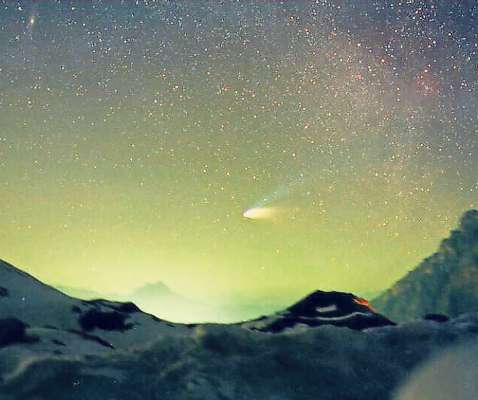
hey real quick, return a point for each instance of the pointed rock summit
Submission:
(323, 308)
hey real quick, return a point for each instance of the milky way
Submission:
(134, 135)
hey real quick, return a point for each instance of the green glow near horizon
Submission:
(134, 165)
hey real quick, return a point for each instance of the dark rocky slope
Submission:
(444, 283)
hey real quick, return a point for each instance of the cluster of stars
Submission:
(156, 124)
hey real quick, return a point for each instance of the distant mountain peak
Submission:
(150, 289)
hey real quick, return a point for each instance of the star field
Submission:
(133, 136)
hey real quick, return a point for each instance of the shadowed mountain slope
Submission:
(444, 283)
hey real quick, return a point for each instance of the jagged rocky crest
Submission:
(322, 308)
(444, 283)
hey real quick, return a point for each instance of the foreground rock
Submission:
(329, 345)
(230, 363)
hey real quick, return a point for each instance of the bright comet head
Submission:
(259, 213)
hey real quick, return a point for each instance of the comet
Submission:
(258, 213)
(261, 210)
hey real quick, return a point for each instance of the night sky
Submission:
(134, 135)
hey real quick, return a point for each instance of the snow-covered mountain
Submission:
(53, 319)
(38, 319)
(53, 346)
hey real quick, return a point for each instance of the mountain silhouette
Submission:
(56, 346)
(157, 298)
(35, 310)
(444, 283)
(323, 308)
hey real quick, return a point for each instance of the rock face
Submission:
(322, 308)
(445, 283)
(13, 331)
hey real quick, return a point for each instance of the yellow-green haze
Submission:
(134, 137)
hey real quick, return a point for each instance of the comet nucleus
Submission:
(259, 213)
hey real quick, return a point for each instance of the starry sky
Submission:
(134, 135)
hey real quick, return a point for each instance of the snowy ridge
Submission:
(53, 346)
